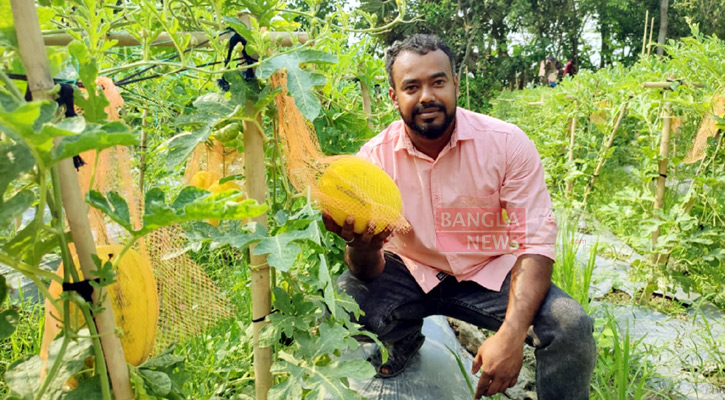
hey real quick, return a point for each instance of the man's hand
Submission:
(364, 252)
(501, 357)
(365, 240)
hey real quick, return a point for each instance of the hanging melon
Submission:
(353, 186)
(203, 179)
(134, 300)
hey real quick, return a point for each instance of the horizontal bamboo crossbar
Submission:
(670, 84)
(198, 39)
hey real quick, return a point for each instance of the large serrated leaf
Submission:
(115, 207)
(281, 249)
(288, 389)
(181, 146)
(193, 204)
(299, 81)
(15, 160)
(159, 382)
(97, 137)
(213, 103)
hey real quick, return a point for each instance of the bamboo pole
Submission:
(572, 132)
(644, 34)
(607, 146)
(366, 103)
(142, 156)
(32, 52)
(649, 44)
(658, 85)
(198, 39)
(662, 178)
(256, 185)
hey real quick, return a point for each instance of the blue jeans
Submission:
(395, 306)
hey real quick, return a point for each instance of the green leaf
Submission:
(88, 388)
(282, 301)
(163, 361)
(159, 382)
(15, 207)
(115, 207)
(32, 243)
(328, 292)
(193, 204)
(8, 321)
(288, 389)
(325, 381)
(19, 123)
(96, 137)
(88, 72)
(181, 146)
(23, 377)
(281, 249)
(213, 103)
(8, 102)
(299, 82)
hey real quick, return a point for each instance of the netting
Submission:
(706, 130)
(189, 301)
(215, 159)
(342, 185)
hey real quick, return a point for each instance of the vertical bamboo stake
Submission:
(32, 52)
(649, 44)
(142, 159)
(644, 35)
(572, 132)
(603, 157)
(367, 106)
(256, 184)
(662, 178)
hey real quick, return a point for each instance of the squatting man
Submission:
(443, 158)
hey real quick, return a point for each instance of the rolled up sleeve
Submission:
(526, 199)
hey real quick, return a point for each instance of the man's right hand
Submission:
(361, 241)
(364, 252)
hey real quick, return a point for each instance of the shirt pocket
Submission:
(464, 200)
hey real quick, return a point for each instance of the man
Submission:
(446, 161)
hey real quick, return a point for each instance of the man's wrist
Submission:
(513, 332)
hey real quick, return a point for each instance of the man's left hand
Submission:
(500, 358)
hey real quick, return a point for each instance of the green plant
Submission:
(571, 277)
(621, 372)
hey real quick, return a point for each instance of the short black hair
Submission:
(419, 43)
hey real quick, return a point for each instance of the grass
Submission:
(568, 274)
(25, 340)
(622, 371)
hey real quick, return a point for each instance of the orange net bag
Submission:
(341, 185)
(708, 128)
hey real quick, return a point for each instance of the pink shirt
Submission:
(488, 165)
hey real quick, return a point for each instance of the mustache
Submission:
(422, 106)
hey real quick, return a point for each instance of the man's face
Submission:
(425, 92)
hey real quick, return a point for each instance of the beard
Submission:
(428, 128)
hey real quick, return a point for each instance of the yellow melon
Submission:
(133, 297)
(356, 187)
(203, 179)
